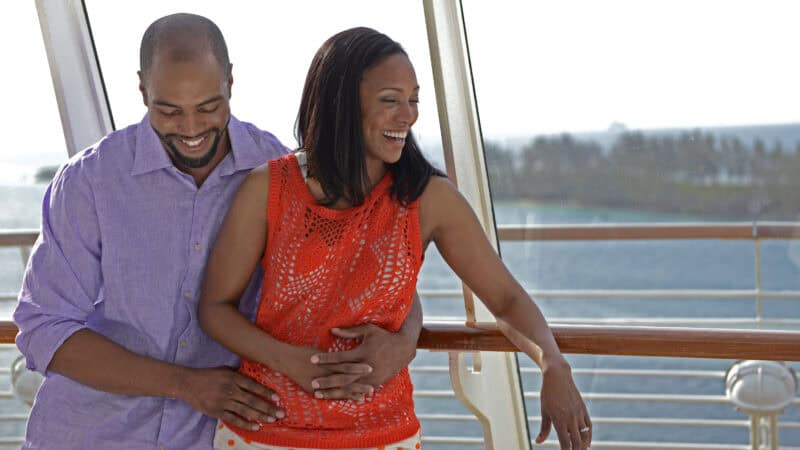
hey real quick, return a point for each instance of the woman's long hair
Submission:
(329, 123)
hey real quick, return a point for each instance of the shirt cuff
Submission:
(40, 344)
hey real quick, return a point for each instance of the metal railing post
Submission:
(759, 297)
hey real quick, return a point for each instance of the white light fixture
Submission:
(761, 389)
(24, 382)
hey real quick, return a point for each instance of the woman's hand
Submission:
(563, 407)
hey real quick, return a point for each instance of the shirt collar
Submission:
(245, 154)
(151, 156)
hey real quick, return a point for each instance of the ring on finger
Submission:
(585, 429)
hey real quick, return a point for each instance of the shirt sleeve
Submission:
(63, 278)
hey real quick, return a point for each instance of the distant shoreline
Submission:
(607, 209)
(45, 173)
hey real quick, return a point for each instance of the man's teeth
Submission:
(193, 142)
(395, 134)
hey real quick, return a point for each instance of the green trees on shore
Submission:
(691, 172)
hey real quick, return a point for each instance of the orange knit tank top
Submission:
(326, 268)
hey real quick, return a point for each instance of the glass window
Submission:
(623, 112)
(30, 122)
(645, 112)
(33, 147)
(33, 139)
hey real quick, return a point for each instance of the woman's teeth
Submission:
(400, 135)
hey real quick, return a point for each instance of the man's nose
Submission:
(191, 125)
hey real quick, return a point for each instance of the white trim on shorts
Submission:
(227, 439)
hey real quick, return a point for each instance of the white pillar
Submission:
(78, 85)
(491, 389)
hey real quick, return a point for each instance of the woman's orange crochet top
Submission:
(326, 268)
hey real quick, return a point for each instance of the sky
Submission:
(539, 66)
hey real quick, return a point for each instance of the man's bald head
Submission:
(182, 37)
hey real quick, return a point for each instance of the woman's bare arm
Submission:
(235, 256)
(447, 220)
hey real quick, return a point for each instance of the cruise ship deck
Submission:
(653, 306)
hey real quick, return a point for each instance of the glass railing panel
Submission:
(658, 400)
(33, 138)
(780, 262)
(624, 112)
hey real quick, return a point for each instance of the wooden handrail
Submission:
(603, 340)
(624, 340)
(8, 331)
(16, 238)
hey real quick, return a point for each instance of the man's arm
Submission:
(218, 392)
(61, 283)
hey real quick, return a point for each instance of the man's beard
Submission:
(185, 161)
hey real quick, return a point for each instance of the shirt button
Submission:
(160, 447)
(197, 246)
(184, 344)
(187, 294)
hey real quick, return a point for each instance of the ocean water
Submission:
(702, 264)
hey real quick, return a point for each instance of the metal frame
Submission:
(491, 386)
(78, 83)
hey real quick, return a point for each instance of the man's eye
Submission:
(389, 100)
(170, 113)
(209, 110)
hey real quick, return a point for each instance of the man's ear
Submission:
(230, 79)
(142, 88)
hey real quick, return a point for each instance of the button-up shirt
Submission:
(122, 250)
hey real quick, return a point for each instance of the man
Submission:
(108, 305)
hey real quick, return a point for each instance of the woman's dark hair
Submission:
(329, 125)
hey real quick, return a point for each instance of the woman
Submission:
(340, 228)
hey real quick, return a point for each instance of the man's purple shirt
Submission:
(122, 250)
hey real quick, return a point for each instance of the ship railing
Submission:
(607, 336)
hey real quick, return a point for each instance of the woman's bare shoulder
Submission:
(440, 193)
(435, 203)
(436, 188)
(261, 171)
(255, 188)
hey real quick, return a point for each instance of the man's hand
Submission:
(296, 363)
(225, 394)
(386, 353)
